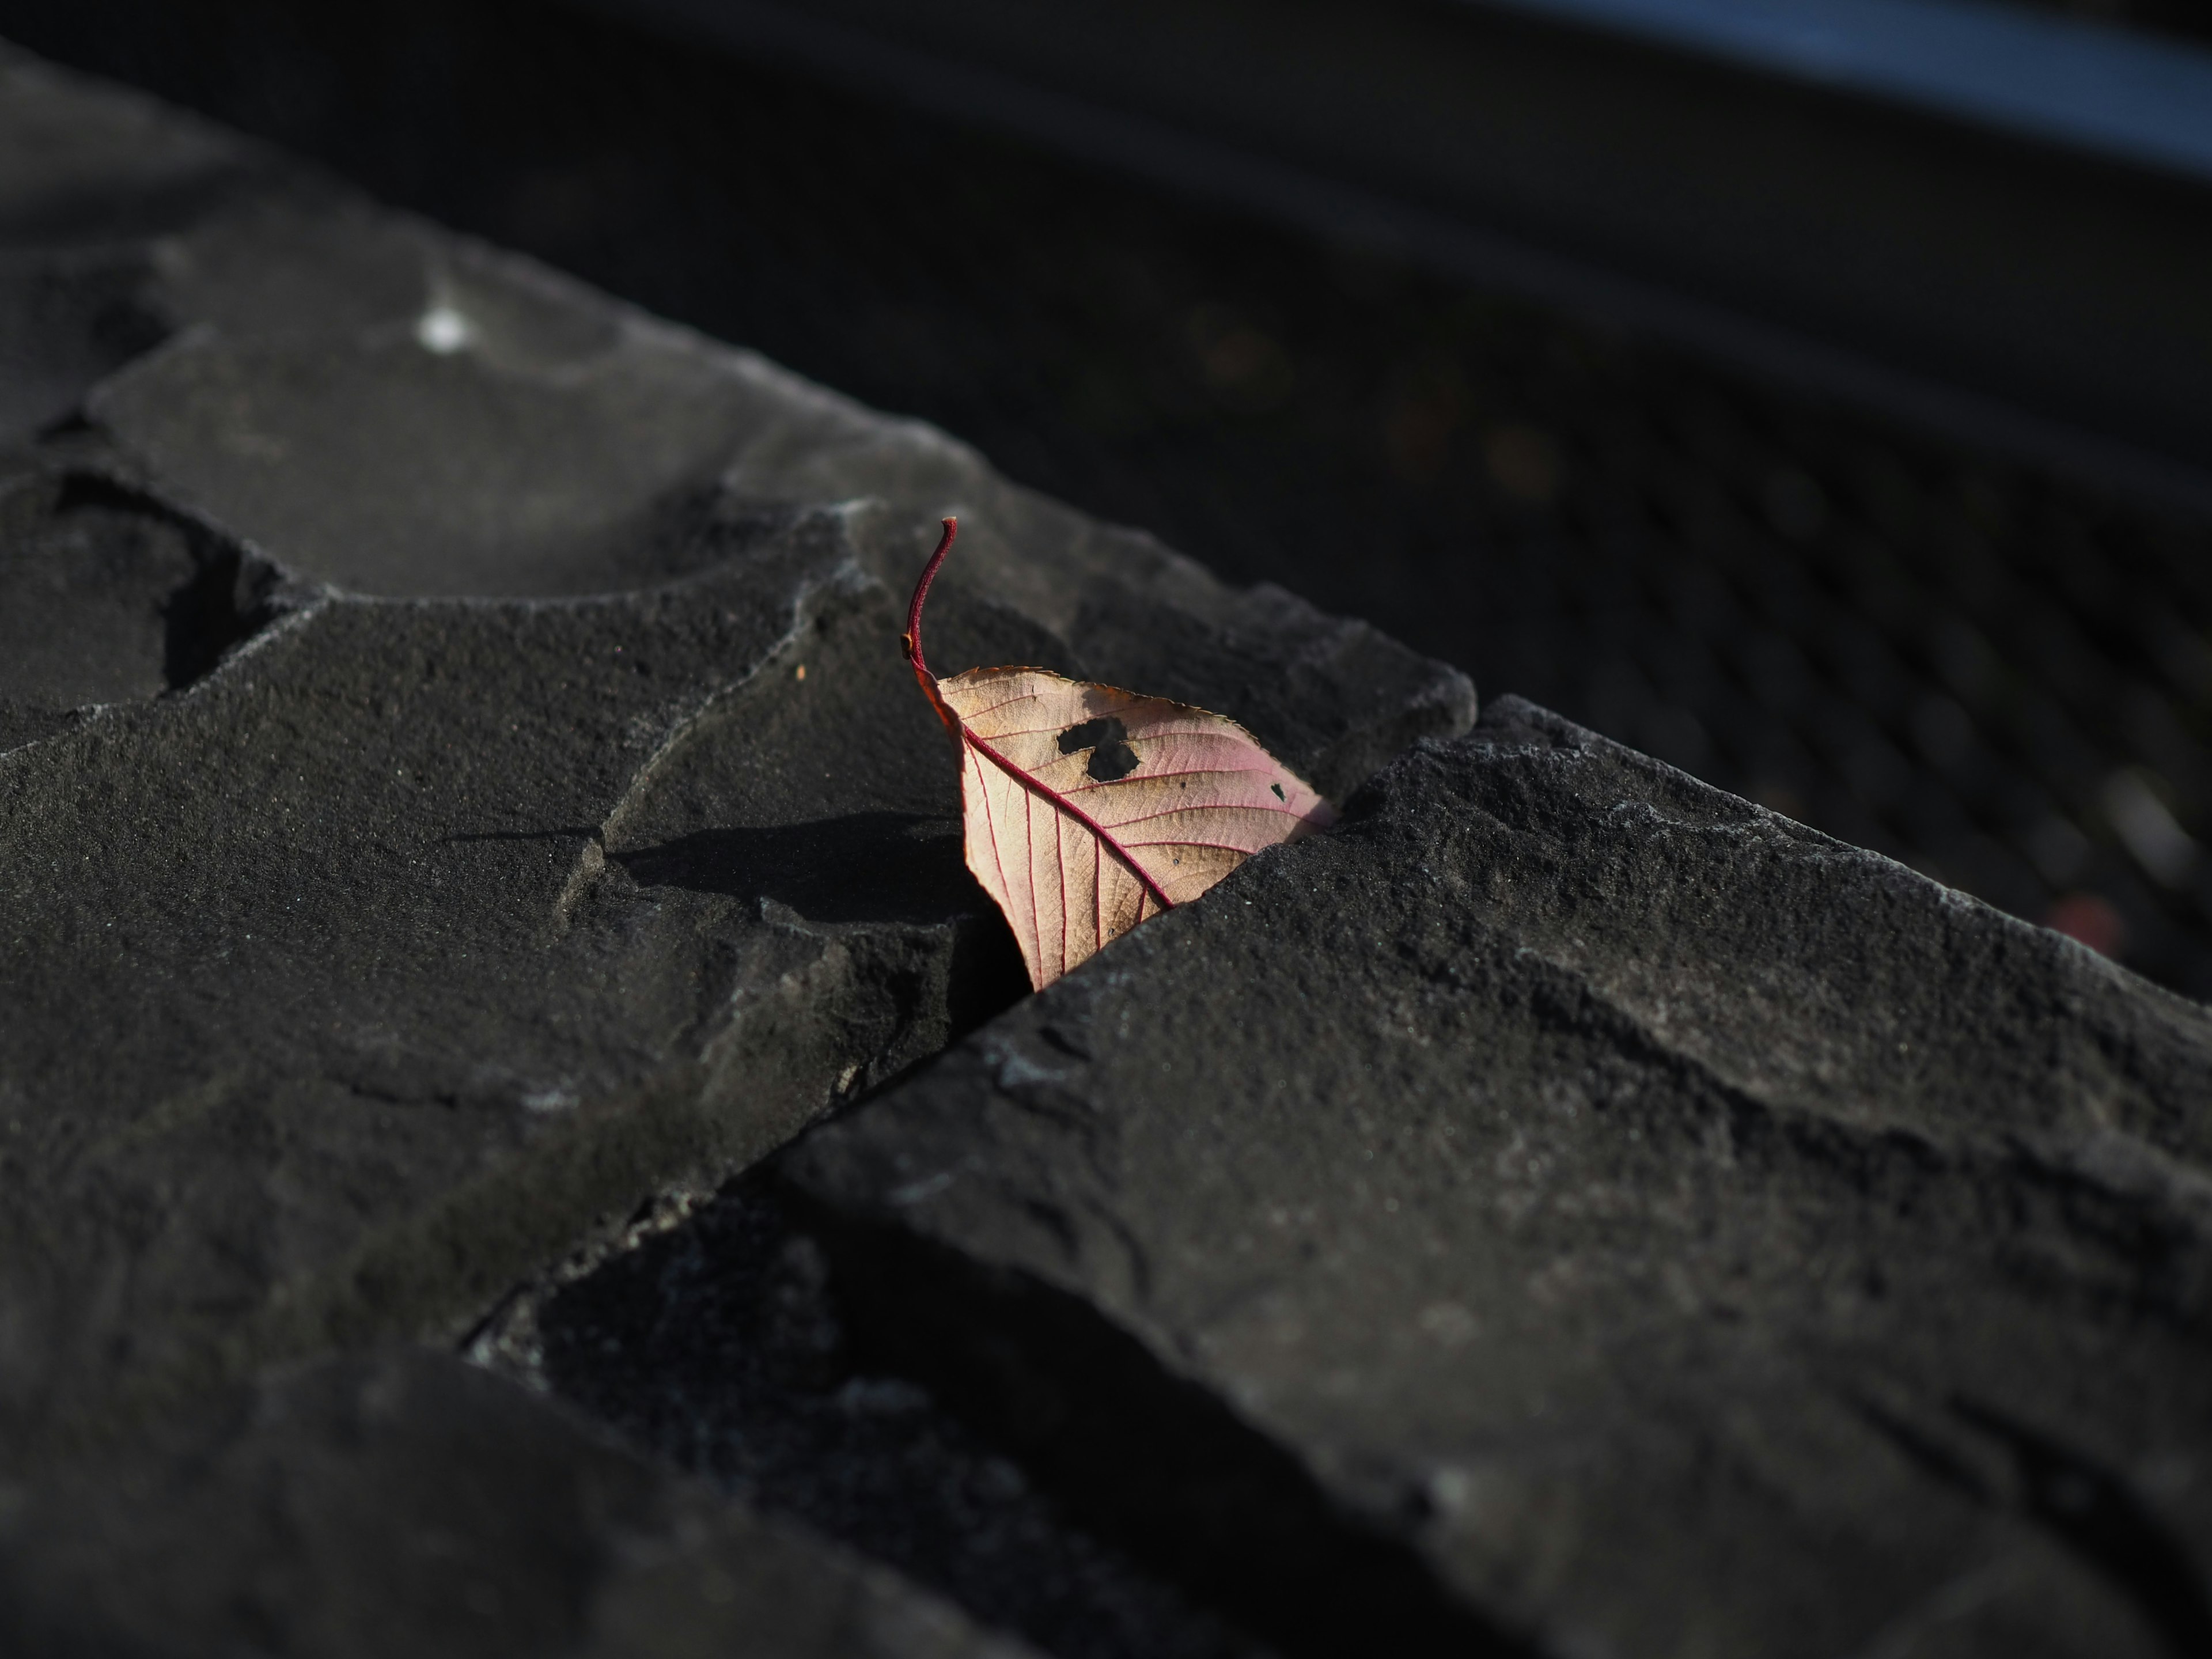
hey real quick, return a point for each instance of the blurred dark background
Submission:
(2185, 19)
(1807, 552)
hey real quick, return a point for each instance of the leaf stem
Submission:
(911, 638)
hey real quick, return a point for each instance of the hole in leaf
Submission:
(1110, 757)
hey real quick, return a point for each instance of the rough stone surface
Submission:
(460, 799)
(462, 777)
(405, 1502)
(719, 1344)
(459, 789)
(1570, 1209)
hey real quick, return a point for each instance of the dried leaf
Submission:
(1089, 809)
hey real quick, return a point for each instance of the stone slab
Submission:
(719, 1344)
(457, 778)
(1570, 1210)
(406, 1502)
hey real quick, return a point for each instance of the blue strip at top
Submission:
(2083, 85)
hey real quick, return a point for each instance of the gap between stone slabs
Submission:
(719, 1344)
(405, 1502)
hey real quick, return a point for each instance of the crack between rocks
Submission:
(844, 583)
(1152, 1458)
(2176, 1233)
(2090, 1512)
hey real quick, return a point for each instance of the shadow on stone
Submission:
(2095, 1513)
(1157, 1462)
(864, 866)
(722, 1345)
(68, 321)
(861, 867)
(108, 596)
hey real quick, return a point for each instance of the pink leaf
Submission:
(1089, 809)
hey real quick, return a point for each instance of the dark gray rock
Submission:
(463, 423)
(458, 780)
(409, 1502)
(461, 797)
(110, 598)
(718, 1345)
(391, 409)
(383, 1018)
(68, 320)
(89, 166)
(1570, 1208)
(90, 182)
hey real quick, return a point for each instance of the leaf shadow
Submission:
(863, 867)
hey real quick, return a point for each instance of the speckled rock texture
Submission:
(1571, 1209)
(459, 785)
(404, 1502)
(517, 1133)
